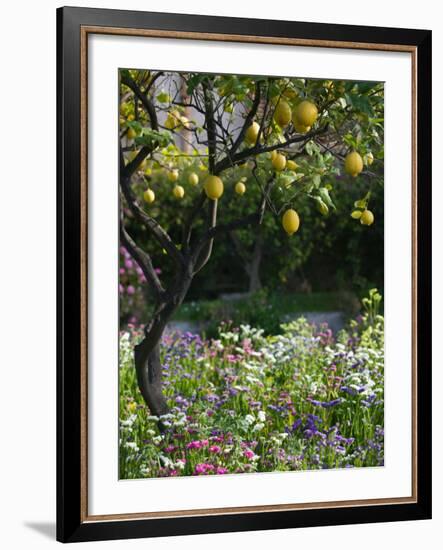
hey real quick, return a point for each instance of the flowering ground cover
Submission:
(248, 403)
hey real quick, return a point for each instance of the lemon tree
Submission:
(190, 142)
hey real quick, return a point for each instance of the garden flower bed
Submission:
(244, 402)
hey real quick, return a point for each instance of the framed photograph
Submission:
(244, 274)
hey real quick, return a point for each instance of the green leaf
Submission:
(360, 103)
(163, 97)
(324, 194)
(153, 138)
(316, 180)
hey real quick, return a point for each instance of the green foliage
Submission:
(153, 138)
(331, 250)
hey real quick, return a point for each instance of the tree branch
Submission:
(147, 103)
(187, 226)
(210, 127)
(248, 121)
(151, 224)
(257, 149)
(255, 218)
(205, 252)
(143, 259)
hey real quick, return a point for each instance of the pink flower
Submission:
(203, 468)
(248, 454)
(121, 289)
(220, 470)
(122, 271)
(128, 264)
(214, 449)
(130, 290)
(194, 445)
(170, 449)
(204, 442)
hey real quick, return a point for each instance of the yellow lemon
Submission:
(274, 153)
(193, 178)
(306, 113)
(291, 165)
(213, 187)
(369, 158)
(353, 164)
(148, 171)
(252, 133)
(290, 221)
(131, 133)
(179, 192)
(282, 113)
(149, 196)
(279, 162)
(300, 129)
(173, 175)
(367, 218)
(240, 188)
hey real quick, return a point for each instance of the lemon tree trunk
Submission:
(147, 355)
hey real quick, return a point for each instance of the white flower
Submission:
(249, 419)
(166, 461)
(129, 421)
(261, 416)
(259, 426)
(132, 445)
(179, 464)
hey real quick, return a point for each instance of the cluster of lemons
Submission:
(354, 166)
(303, 117)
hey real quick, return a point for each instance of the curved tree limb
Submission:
(151, 224)
(143, 260)
(205, 253)
(256, 218)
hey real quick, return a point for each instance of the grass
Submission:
(263, 309)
